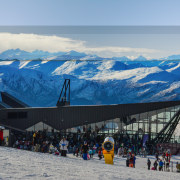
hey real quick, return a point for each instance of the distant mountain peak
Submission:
(140, 58)
(20, 54)
(75, 53)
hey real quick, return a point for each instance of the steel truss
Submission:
(164, 136)
(64, 98)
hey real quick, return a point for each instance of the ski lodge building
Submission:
(156, 120)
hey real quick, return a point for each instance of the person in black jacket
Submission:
(155, 165)
(149, 164)
(85, 150)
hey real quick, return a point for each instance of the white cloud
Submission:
(52, 43)
(30, 42)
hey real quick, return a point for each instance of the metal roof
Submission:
(71, 116)
(11, 101)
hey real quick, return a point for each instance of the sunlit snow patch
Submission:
(5, 63)
(23, 64)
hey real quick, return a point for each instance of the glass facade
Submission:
(138, 125)
(134, 126)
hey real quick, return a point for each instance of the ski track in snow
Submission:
(21, 164)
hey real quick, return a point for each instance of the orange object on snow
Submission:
(131, 165)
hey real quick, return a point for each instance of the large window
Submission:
(17, 115)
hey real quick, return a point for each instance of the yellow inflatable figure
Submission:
(108, 150)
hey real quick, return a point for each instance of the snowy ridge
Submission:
(174, 68)
(135, 74)
(38, 83)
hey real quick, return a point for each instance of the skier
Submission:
(149, 164)
(85, 150)
(63, 146)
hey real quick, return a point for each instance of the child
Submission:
(91, 153)
(94, 149)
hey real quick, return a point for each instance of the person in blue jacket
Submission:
(85, 150)
(160, 165)
(134, 160)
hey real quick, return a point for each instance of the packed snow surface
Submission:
(21, 164)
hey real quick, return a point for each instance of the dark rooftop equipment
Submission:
(64, 98)
(12, 101)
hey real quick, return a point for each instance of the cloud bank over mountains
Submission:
(54, 43)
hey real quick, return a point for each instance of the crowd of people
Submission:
(86, 145)
(41, 141)
(161, 164)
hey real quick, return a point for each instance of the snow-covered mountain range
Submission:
(38, 82)
(18, 54)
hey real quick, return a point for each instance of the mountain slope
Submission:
(38, 83)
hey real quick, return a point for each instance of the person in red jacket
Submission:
(100, 153)
(1, 136)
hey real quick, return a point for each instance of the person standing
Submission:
(131, 161)
(160, 165)
(91, 153)
(119, 151)
(100, 153)
(74, 150)
(35, 138)
(63, 146)
(134, 160)
(149, 164)
(127, 161)
(85, 150)
(157, 156)
(155, 165)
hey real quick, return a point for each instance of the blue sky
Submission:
(21, 24)
(89, 12)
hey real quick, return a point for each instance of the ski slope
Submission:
(21, 164)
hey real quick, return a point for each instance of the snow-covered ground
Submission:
(20, 164)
